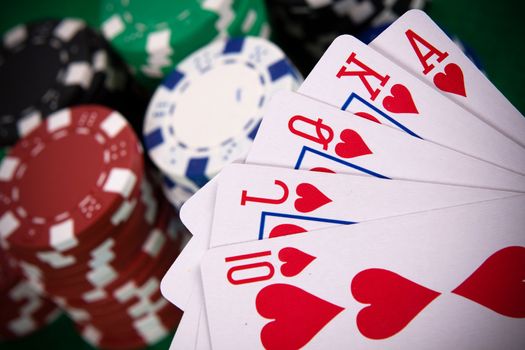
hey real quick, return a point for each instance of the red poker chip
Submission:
(9, 271)
(118, 245)
(67, 177)
(55, 264)
(23, 311)
(145, 331)
(143, 265)
(127, 295)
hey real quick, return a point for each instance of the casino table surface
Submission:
(494, 29)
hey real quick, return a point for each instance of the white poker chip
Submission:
(207, 111)
(176, 192)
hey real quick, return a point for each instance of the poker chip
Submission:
(85, 161)
(53, 51)
(87, 227)
(315, 24)
(177, 193)
(23, 309)
(49, 65)
(206, 113)
(152, 37)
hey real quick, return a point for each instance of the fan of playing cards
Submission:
(391, 185)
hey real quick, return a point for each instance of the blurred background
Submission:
(493, 29)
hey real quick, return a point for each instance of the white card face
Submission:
(390, 154)
(449, 278)
(196, 214)
(259, 202)
(203, 335)
(355, 78)
(188, 328)
(302, 133)
(416, 43)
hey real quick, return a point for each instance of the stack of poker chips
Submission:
(315, 24)
(88, 229)
(207, 111)
(23, 310)
(154, 35)
(52, 64)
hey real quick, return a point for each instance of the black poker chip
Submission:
(315, 24)
(52, 64)
(44, 66)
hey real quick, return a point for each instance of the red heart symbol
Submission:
(322, 170)
(499, 283)
(367, 116)
(285, 230)
(451, 80)
(298, 316)
(352, 145)
(400, 101)
(394, 302)
(294, 261)
(310, 198)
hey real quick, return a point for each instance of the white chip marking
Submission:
(58, 120)
(150, 327)
(153, 72)
(120, 181)
(79, 73)
(100, 61)
(68, 28)
(102, 276)
(159, 42)
(249, 20)
(124, 212)
(113, 27)
(92, 334)
(78, 314)
(113, 124)
(8, 224)
(159, 61)
(56, 260)
(29, 122)
(154, 243)
(94, 295)
(8, 168)
(15, 36)
(125, 292)
(62, 235)
(265, 31)
(22, 325)
(318, 3)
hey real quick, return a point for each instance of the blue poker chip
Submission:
(206, 113)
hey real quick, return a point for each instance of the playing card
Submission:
(187, 330)
(390, 154)
(203, 335)
(317, 200)
(259, 202)
(416, 43)
(355, 78)
(447, 278)
(302, 133)
(196, 214)
(194, 333)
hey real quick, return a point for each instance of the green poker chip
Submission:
(153, 36)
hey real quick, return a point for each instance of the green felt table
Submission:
(494, 29)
